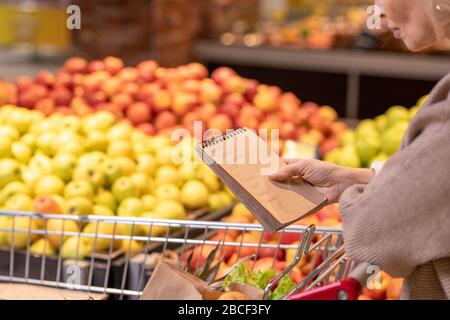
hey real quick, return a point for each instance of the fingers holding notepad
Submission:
(242, 160)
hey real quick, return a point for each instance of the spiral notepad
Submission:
(244, 161)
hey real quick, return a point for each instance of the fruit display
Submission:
(158, 100)
(271, 261)
(95, 165)
(374, 139)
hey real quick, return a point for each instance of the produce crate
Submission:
(175, 245)
(100, 269)
(164, 30)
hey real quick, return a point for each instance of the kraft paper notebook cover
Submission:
(244, 162)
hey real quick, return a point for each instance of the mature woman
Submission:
(399, 218)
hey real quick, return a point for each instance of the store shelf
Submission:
(385, 64)
(352, 63)
(14, 64)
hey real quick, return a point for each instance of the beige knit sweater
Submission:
(401, 220)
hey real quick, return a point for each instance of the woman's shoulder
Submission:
(441, 92)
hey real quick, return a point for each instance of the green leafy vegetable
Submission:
(284, 287)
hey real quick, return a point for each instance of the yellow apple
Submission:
(42, 247)
(167, 192)
(212, 182)
(131, 246)
(142, 182)
(188, 171)
(27, 227)
(146, 163)
(21, 152)
(149, 202)
(102, 211)
(127, 165)
(120, 148)
(61, 227)
(106, 199)
(75, 248)
(164, 156)
(98, 228)
(194, 195)
(167, 175)
(131, 207)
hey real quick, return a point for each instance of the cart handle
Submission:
(346, 289)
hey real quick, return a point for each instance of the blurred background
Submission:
(318, 49)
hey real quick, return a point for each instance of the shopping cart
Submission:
(114, 256)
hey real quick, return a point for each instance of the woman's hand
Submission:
(329, 179)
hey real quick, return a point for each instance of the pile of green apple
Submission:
(95, 165)
(374, 139)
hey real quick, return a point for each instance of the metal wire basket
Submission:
(115, 256)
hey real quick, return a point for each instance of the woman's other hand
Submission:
(329, 179)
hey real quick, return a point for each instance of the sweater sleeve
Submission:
(402, 218)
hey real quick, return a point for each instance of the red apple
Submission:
(394, 289)
(248, 238)
(234, 84)
(161, 101)
(95, 65)
(94, 98)
(231, 109)
(111, 86)
(191, 86)
(247, 122)
(225, 250)
(251, 89)
(147, 71)
(182, 102)
(64, 110)
(46, 106)
(122, 99)
(271, 252)
(207, 111)
(46, 204)
(24, 82)
(165, 119)
(329, 145)
(75, 65)
(28, 99)
(263, 264)
(328, 113)
(338, 127)
(115, 109)
(197, 71)
(288, 97)
(62, 96)
(148, 128)
(139, 113)
(288, 131)
(64, 78)
(128, 74)
(310, 108)
(131, 89)
(265, 100)
(45, 78)
(220, 122)
(210, 92)
(328, 212)
(113, 65)
(221, 74)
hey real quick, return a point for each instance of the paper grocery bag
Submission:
(170, 283)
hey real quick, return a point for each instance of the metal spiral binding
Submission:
(216, 140)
